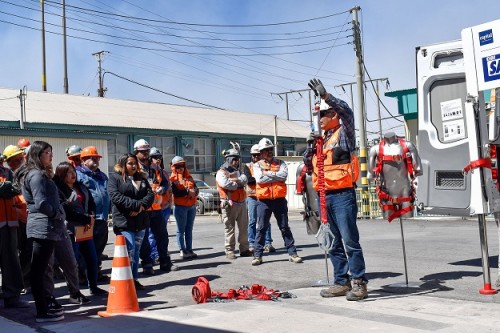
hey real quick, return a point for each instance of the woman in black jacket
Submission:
(131, 196)
(79, 207)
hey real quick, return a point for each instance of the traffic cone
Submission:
(122, 297)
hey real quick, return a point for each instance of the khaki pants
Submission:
(237, 213)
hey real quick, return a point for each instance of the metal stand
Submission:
(406, 284)
(324, 283)
(486, 290)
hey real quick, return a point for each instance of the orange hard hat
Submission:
(89, 151)
(23, 143)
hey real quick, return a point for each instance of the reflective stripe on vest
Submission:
(159, 198)
(251, 188)
(274, 190)
(337, 176)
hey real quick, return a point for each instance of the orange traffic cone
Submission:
(122, 297)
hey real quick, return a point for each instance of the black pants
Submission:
(42, 251)
(100, 239)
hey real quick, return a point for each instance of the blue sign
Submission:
(485, 37)
(491, 68)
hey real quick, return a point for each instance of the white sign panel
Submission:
(484, 40)
(454, 130)
(451, 109)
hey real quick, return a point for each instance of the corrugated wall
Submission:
(59, 146)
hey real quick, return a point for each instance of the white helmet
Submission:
(141, 144)
(323, 106)
(178, 160)
(255, 149)
(231, 153)
(265, 143)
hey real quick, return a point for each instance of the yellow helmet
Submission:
(11, 151)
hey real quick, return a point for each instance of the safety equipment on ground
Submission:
(255, 149)
(73, 150)
(202, 293)
(141, 144)
(122, 297)
(178, 160)
(11, 151)
(265, 143)
(23, 143)
(317, 86)
(154, 152)
(89, 151)
(231, 153)
(391, 203)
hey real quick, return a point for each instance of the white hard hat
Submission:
(255, 149)
(323, 106)
(141, 144)
(265, 143)
(177, 160)
(231, 153)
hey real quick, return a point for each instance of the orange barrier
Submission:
(122, 297)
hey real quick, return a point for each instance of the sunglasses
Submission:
(255, 155)
(267, 150)
(157, 157)
(180, 166)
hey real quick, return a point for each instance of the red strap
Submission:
(384, 196)
(480, 163)
(321, 180)
(400, 212)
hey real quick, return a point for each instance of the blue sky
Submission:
(199, 49)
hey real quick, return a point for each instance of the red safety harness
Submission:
(395, 203)
(202, 293)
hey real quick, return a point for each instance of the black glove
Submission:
(317, 86)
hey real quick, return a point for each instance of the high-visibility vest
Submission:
(184, 183)
(238, 195)
(251, 188)
(159, 198)
(274, 190)
(339, 174)
(8, 212)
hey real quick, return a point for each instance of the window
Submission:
(199, 154)
(117, 148)
(166, 146)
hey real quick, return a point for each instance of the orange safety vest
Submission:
(159, 198)
(183, 183)
(238, 195)
(337, 176)
(274, 190)
(8, 210)
(251, 188)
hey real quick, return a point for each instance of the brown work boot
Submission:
(230, 255)
(336, 290)
(295, 259)
(256, 261)
(358, 291)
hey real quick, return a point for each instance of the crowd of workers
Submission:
(55, 219)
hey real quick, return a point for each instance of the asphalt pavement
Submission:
(444, 276)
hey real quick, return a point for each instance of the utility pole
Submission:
(100, 55)
(365, 195)
(44, 67)
(65, 53)
(350, 84)
(22, 100)
(286, 99)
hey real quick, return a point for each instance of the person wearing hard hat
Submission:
(270, 175)
(24, 144)
(252, 203)
(336, 119)
(231, 184)
(12, 277)
(96, 181)
(185, 194)
(158, 225)
(156, 158)
(73, 155)
(15, 157)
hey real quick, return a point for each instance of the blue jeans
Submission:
(88, 251)
(252, 223)
(278, 207)
(151, 238)
(184, 216)
(158, 227)
(346, 254)
(134, 242)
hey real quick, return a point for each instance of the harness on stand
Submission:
(202, 293)
(395, 202)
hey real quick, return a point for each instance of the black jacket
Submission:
(126, 199)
